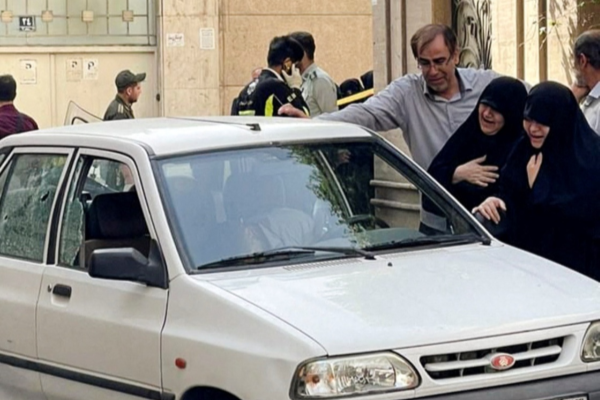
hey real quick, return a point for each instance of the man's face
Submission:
(580, 64)
(287, 65)
(133, 93)
(437, 64)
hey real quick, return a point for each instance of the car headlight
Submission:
(351, 376)
(590, 351)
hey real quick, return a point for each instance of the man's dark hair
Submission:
(283, 47)
(428, 33)
(588, 44)
(8, 88)
(308, 43)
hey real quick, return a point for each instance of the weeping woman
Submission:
(549, 190)
(468, 165)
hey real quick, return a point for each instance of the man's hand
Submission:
(533, 168)
(489, 208)
(475, 173)
(294, 80)
(291, 111)
(579, 91)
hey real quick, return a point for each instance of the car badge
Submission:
(502, 362)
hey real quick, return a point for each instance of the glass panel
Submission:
(108, 27)
(139, 26)
(116, 7)
(18, 7)
(116, 26)
(58, 7)
(35, 7)
(307, 195)
(77, 26)
(26, 204)
(99, 26)
(72, 223)
(138, 6)
(75, 7)
(98, 7)
(58, 26)
(102, 177)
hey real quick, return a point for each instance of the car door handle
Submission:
(62, 290)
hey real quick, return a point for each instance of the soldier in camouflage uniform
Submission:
(128, 92)
(318, 89)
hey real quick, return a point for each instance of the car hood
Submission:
(419, 297)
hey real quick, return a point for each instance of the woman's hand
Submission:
(475, 173)
(489, 208)
(533, 168)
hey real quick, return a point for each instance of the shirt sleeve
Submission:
(325, 94)
(383, 112)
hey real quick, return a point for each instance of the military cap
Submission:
(127, 78)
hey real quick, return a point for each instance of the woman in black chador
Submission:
(549, 190)
(468, 165)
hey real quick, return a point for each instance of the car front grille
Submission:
(477, 362)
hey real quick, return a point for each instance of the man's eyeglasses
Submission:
(423, 63)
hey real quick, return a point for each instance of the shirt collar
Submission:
(311, 68)
(120, 100)
(595, 92)
(278, 76)
(463, 83)
(8, 108)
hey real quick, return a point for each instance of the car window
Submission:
(102, 211)
(237, 203)
(29, 185)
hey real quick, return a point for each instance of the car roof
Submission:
(171, 135)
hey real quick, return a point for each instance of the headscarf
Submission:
(570, 171)
(505, 95)
(559, 216)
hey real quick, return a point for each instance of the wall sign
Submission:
(27, 23)
(207, 38)
(28, 75)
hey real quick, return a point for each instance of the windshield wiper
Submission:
(283, 254)
(431, 240)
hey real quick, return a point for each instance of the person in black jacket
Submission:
(469, 163)
(549, 190)
(279, 83)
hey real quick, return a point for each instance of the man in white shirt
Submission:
(587, 68)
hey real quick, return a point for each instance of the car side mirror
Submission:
(128, 264)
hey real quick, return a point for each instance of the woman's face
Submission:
(537, 132)
(490, 120)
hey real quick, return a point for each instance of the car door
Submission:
(77, 115)
(100, 337)
(29, 182)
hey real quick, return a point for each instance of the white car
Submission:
(258, 259)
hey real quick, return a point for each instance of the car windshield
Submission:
(260, 206)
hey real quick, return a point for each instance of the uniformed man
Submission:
(278, 84)
(128, 92)
(318, 89)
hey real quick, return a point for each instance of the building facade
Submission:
(197, 54)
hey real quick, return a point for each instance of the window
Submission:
(234, 204)
(29, 185)
(114, 22)
(102, 211)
